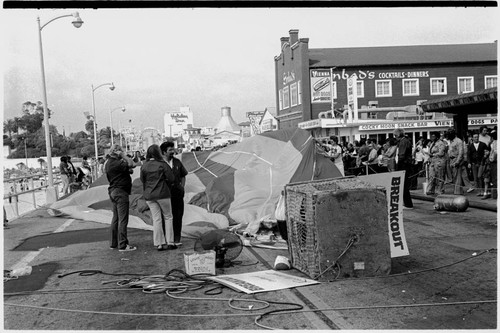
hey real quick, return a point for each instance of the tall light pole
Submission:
(111, 120)
(112, 87)
(51, 190)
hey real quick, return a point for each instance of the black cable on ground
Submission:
(89, 272)
(260, 317)
(421, 271)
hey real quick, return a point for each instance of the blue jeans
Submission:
(119, 199)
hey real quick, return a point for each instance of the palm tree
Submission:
(21, 166)
(42, 163)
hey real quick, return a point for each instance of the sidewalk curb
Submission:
(472, 204)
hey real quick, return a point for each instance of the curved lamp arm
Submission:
(104, 84)
(77, 22)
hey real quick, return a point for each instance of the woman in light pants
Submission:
(163, 232)
(156, 176)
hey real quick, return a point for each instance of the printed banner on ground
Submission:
(393, 183)
(257, 282)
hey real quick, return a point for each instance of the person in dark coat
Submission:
(176, 188)
(118, 169)
(156, 176)
(404, 162)
(475, 154)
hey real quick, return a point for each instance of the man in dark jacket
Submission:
(404, 162)
(475, 155)
(176, 189)
(118, 169)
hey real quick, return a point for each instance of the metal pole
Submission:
(51, 191)
(111, 124)
(95, 126)
(25, 152)
(120, 129)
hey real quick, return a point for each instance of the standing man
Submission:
(456, 156)
(437, 153)
(118, 169)
(483, 135)
(176, 189)
(403, 162)
(493, 165)
(475, 157)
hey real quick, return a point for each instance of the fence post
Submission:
(33, 192)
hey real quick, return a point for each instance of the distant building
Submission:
(193, 138)
(268, 122)
(175, 122)
(223, 138)
(226, 122)
(245, 129)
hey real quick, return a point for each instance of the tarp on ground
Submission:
(240, 184)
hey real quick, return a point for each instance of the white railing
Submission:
(22, 185)
(17, 189)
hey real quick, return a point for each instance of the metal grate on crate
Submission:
(300, 199)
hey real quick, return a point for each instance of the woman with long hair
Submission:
(156, 177)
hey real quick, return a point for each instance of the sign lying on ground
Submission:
(393, 183)
(258, 282)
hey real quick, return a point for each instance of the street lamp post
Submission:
(111, 120)
(51, 190)
(112, 87)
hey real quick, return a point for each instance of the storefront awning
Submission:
(477, 102)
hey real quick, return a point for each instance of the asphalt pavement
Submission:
(448, 281)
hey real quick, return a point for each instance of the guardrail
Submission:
(17, 186)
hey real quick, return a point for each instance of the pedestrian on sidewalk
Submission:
(456, 156)
(418, 165)
(336, 153)
(176, 188)
(118, 169)
(156, 177)
(63, 168)
(437, 152)
(475, 158)
(490, 171)
(448, 175)
(465, 169)
(404, 162)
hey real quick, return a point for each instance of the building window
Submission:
(299, 88)
(490, 81)
(360, 89)
(438, 86)
(410, 87)
(465, 84)
(293, 94)
(280, 99)
(383, 88)
(286, 97)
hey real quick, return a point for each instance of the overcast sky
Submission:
(162, 59)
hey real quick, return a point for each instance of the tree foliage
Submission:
(25, 135)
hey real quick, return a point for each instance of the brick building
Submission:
(392, 82)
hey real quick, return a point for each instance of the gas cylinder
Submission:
(451, 203)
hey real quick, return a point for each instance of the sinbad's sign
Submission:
(370, 75)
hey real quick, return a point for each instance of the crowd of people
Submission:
(74, 178)
(163, 179)
(468, 161)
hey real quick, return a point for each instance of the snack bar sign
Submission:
(321, 86)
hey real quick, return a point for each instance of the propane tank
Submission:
(451, 203)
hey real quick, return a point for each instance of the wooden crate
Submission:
(324, 217)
